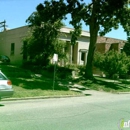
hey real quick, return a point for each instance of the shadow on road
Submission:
(1, 105)
(88, 94)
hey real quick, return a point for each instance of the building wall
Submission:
(104, 47)
(105, 44)
(16, 36)
(107, 47)
(100, 47)
(74, 56)
(83, 45)
(13, 36)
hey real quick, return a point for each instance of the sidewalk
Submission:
(73, 87)
(87, 91)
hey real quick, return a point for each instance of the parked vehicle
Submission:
(6, 89)
(4, 59)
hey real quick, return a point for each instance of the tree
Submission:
(126, 47)
(99, 15)
(43, 36)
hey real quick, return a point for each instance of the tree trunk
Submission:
(89, 65)
(93, 28)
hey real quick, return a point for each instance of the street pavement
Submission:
(94, 111)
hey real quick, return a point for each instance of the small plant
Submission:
(81, 69)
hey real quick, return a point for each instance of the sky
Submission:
(15, 13)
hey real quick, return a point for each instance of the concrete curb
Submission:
(40, 97)
(74, 88)
(123, 92)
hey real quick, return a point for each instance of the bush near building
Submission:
(113, 63)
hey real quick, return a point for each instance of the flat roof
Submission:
(67, 30)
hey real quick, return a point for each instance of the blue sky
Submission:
(15, 12)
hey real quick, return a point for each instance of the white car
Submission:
(6, 89)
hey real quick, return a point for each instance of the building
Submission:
(105, 44)
(11, 43)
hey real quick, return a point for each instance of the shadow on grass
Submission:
(23, 78)
(125, 81)
(27, 79)
(105, 84)
(111, 85)
(43, 84)
(115, 85)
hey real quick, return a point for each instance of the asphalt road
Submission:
(97, 111)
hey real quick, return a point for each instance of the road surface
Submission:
(96, 111)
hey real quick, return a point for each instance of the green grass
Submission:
(27, 84)
(22, 93)
(107, 85)
(39, 87)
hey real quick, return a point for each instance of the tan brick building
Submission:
(11, 42)
(105, 44)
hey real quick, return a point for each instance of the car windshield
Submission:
(2, 77)
(4, 57)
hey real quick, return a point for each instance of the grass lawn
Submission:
(35, 87)
(28, 84)
(107, 85)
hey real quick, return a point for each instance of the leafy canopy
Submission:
(99, 15)
(44, 35)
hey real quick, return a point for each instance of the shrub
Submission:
(81, 69)
(126, 47)
(61, 72)
(112, 63)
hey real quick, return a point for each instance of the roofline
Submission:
(14, 28)
(66, 29)
(112, 38)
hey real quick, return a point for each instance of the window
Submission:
(83, 56)
(121, 50)
(12, 48)
(114, 46)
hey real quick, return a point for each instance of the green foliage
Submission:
(99, 15)
(81, 69)
(59, 48)
(112, 62)
(126, 47)
(64, 73)
(43, 41)
(61, 72)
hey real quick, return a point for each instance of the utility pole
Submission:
(2, 24)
